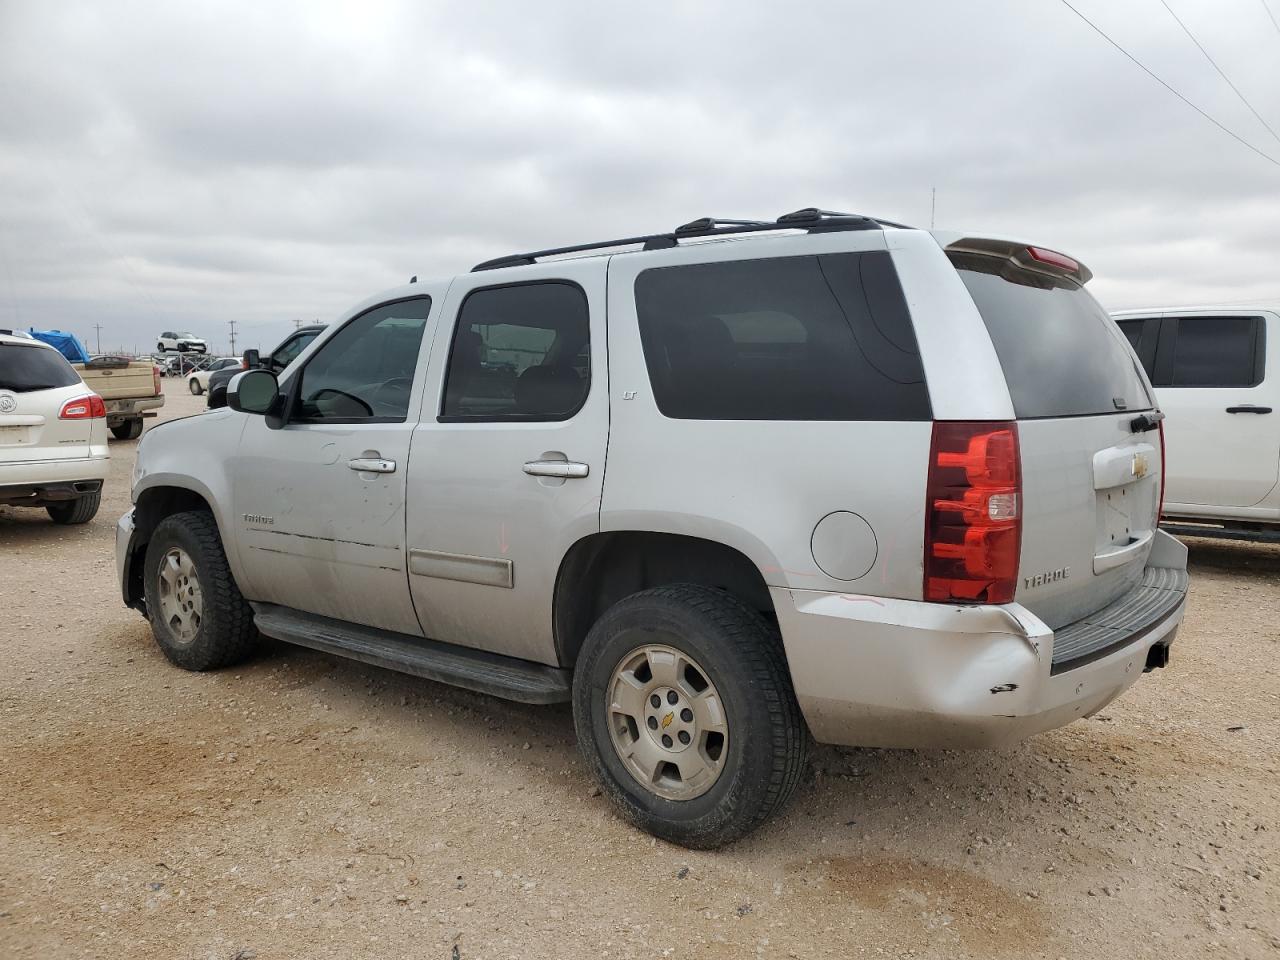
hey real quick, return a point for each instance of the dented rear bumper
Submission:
(873, 671)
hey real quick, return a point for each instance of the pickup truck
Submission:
(129, 388)
(1216, 372)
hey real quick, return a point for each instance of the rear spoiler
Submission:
(1025, 257)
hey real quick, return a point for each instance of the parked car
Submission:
(198, 380)
(130, 389)
(53, 433)
(279, 358)
(877, 485)
(1215, 374)
(182, 342)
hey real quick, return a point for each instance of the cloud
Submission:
(186, 165)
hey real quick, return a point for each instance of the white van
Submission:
(1214, 370)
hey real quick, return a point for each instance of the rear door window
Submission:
(24, 369)
(1216, 352)
(790, 338)
(1142, 335)
(519, 352)
(1061, 353)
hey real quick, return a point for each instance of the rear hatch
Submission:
(1090, 482)
(35, 382)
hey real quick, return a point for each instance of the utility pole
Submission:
(933, 206)
(297, 322)
(98, 330)
(233, 337)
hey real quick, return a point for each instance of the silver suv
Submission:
(726, 489)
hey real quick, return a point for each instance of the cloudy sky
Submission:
(168, 165)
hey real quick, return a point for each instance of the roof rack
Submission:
(810, 219)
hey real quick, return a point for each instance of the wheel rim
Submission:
(181, 602)
(667, 722)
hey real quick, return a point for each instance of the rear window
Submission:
(1062, 355)
(790, 338)
(1217, 352)
(23, 369)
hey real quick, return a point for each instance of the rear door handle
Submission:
(372, 465)
(1248, 408)
(566, 469)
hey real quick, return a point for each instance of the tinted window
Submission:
(365, 370)
(792, 338)
(1061, 353)
(519, 353)
(1132, 330)
(1217, 352)
(285, 354)
(24, 368)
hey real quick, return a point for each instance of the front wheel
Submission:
(685, 714)
(198, 616)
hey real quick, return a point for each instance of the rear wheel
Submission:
(80, 510)
(195, 386)
(129, 430)
(198, 617)
(685, 713)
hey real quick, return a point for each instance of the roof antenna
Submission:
(414, 278)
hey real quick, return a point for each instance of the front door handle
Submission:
(1248, 408)
(565, 469)
(372, 465)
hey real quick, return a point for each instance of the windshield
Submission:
(23, 369)
(1062, 355)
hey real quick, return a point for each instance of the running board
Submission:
(1221, 533)
(477, 670)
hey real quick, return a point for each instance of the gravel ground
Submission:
(303, 806)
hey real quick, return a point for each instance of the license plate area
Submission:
(1125, 486)
(15, 436)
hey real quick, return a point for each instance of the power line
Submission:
(1221, 73)
(1267, 7)
(1145, 69)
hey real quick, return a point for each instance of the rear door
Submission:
(35, 382)
(1223, 431)
(1090, 483)
(508, 460)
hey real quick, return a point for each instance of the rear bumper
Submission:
(871, 671)
(118, 411)
(34, 482)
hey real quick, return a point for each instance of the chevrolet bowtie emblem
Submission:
(666, 721)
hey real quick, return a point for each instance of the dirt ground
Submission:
(304, 806)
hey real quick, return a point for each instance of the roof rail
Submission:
(810, 219)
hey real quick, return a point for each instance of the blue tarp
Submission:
(66, 343)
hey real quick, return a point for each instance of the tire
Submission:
(159, 348)
(222, 633)
(196, 389)
(739, 656)
(129, 430)
(80, 510)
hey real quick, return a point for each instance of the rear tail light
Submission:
(973, 524)
(83, 408)
(155, 379)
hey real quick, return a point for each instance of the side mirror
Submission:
(251, 360)
(254, 391)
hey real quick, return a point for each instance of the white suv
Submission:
(181, 342)
(723, 488)
(53, 433)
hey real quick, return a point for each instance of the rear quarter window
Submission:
(1061, 353)
(24, 369)
(790, 338)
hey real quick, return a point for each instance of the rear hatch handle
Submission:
(1248, 408)
(1145, 422)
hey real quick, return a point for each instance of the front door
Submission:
(508, 459)
(320, 501)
